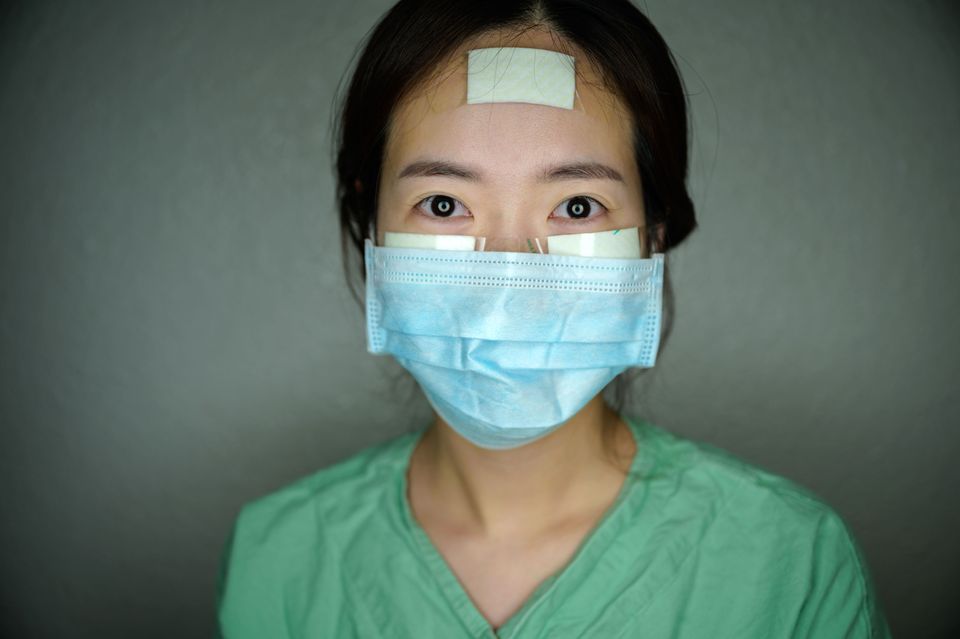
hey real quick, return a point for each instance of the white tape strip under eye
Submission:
(516, 74)
(622, 243)
(438, 242)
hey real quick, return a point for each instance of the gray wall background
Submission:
(176, 337)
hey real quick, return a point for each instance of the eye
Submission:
(441, 206)
(579, 207)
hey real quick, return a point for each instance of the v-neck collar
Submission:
(593, 544)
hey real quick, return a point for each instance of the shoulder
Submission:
(339, 495)
(288, 545)
(770, 530)
(728, 482)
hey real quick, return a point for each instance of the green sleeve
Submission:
(841, 602)
(222, 573)
(248, 605)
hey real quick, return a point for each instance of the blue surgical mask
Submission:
(507, 347)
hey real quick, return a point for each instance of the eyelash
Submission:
(566, 220)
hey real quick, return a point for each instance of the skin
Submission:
(504, 520)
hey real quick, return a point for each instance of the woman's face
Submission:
(508, 169)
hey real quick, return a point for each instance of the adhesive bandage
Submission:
(619, 243)
(515, 74)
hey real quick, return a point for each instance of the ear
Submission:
(652, 239)
(358, 185)
(661, 233)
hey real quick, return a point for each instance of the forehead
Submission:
(435, 119)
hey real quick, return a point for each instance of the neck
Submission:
(520, 491)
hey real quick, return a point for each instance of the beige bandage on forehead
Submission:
(516, 74)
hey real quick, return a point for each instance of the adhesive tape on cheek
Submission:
(621, 243)
(516, 74)
(421, 241)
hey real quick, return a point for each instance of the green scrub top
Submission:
(697, 544)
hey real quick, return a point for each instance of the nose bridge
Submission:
(515, 222)
(511, 215)
(512, 230)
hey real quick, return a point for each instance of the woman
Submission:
(529, 507)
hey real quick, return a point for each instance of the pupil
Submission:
(442, 207)
(577, 208)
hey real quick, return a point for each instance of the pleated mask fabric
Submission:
(509, 346)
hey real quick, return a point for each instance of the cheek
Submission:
(395, 214)
(389, 206)
(636, 203)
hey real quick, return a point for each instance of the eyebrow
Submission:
(555, 173)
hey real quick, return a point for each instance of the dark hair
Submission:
(415, 38)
